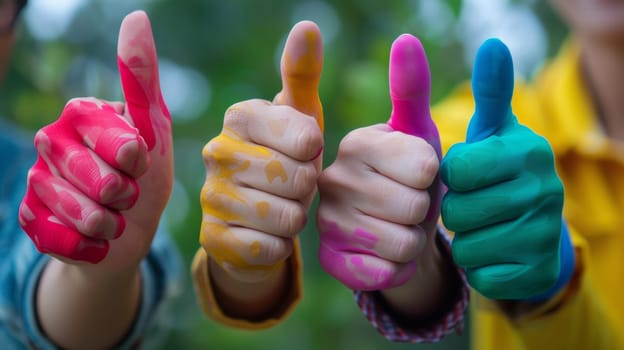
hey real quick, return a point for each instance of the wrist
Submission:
(429, 291)
(248, 299)
(73, 303)
(94, 275)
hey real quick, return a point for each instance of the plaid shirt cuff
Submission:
(375, 310)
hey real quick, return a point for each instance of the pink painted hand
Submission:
(380, 198)
(262, 168)
(105, 170)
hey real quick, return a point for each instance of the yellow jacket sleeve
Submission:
(210, 305)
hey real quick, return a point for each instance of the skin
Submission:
(385, 239)
(261, 173)
(95, 196)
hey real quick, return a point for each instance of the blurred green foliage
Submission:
(235, 45)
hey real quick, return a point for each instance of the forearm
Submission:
(430, 291)
(79, 308)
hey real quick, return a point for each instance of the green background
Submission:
(228, 51)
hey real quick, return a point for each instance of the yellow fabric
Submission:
(589, 315)
(209, 304)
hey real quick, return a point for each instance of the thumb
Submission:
(138, 69)
(410, 84)
(492, 86)
(301, 66)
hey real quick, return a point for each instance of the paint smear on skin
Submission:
(362, 274)
(262, 208)
(71, 206)
(220, 188)
(216, 205)
(377, 277)
(365, 238)
(225, 248)
(142, 87)
(360, 241)
(350, 269)
(51, 236)
(138, 103)
(275, 169)
(62, 145)
(344, 256)
(371, 276)
(112, 137)
(255, 248)
(278, 127)
(150, 116)
(91, 175)
(301, 75)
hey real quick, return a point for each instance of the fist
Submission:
(263, 166)
(380, 198)
(504, 199)
(104, 169)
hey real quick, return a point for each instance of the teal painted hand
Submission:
(504, 199)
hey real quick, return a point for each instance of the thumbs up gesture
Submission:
(504, 199)
(104, 170)
(379, 200)
(262, 170)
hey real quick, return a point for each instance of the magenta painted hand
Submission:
(104, 171)
(380, 199)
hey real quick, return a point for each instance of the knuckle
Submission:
(274, 250)
(212, 197)
(352, 144)
(209, 151)
(417, 207)
(309, 140)
(458, 252)
(290, 219)
(327, 178)
(482, 285)
(116, 191)
(236, 115)
(42, 140)
(429, 167)
(73, 104)
(304, 180)
(406, 247)
(213, 153)
(33, 177)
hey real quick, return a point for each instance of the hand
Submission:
(262, 168)
(505, 200)
(104, 170)
(380, 198)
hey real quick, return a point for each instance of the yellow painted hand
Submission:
(262, 168)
